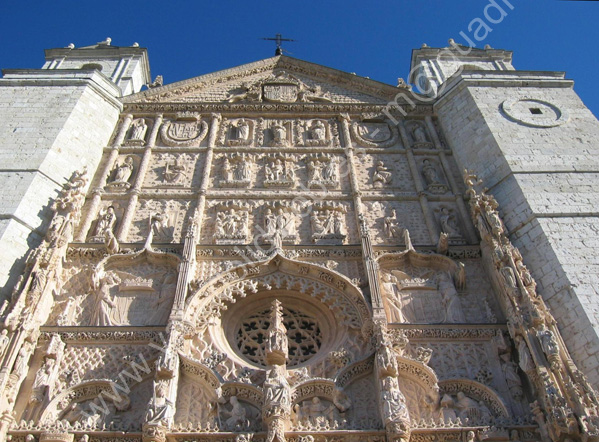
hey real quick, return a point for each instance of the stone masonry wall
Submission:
(50, 128)
(545, 181)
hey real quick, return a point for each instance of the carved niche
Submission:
(279, 170)
(328, 223)
(279, 133)
(448, 224)
(419, 135)
(120, 177)
(433, 177)
(323, 171)
(237, 132)
(173, 170)
(375, 133)
(237, 170)
(137, 132)
(188, 129)
(231, 224)
(105, 224)
(162, 218)
(421, 288)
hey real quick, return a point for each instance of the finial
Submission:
(105, 42)
(451, 42)
(135, 45)
(424, 45)
(488, 47)
(71, 46)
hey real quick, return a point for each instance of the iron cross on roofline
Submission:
(279, 39)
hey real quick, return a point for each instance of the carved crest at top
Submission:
(188, 129)
(280, 87)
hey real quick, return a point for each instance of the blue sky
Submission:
(374, 39)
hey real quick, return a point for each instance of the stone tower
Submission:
(283, 251)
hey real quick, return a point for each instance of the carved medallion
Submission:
(375, 133)
(280, 92)
(187, 130)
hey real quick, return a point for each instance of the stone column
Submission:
(205, 181)
(368, 257)
(429, 218)
(141, 175)
(94, 204)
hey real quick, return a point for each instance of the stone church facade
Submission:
(282, 251)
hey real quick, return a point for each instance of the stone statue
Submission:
(42, 381)
(382, 177)
(276, 343)
(391, 227)
(393, 297)
(430, 173)
(20, 367)
(315, 170)
(525, 359)
(4, 340)
(106, 222)
(318, 131)
(279, 134)
(330, 171)
(420, 134)
(395, 409)
(103, 303)
(244, 171)
(514, 383)
(447, 224)
(227, 171)
(451, 300)
(124, 171)
(138, 130)
(242, 130)
(548, 343)
(237, 419)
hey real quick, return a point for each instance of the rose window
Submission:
(303, 335)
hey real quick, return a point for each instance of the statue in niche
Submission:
(382, 177)
(281, 223)
(510, 373)
(106, 222)
(393, 298)
(447, 221)
(102, 302)
(123, 173)
(42, 381)
(548, 343)
(279, 135)
(138, 130)
(159, 226)
(318, 131)
(4, 340)
(242, 130)
(451, 300)
(316, 414)
(20, 367)
(174, 172)
(431, 177)
(419, 134)
(237, 417)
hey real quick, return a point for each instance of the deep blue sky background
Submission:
(370, 38)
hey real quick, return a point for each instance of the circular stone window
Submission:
(311, 328)
(304, 337)
(534, 113)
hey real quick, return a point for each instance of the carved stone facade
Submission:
(264, 254)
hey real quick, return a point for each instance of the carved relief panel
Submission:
(375, 133)
(173, 170)
(231, 222)
(237, 132)
(165, 218)
(389, 220)
(237, 170)
(279, 170)
(328, 222)
(384, 172)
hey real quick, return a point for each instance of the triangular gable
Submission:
(279, 79)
